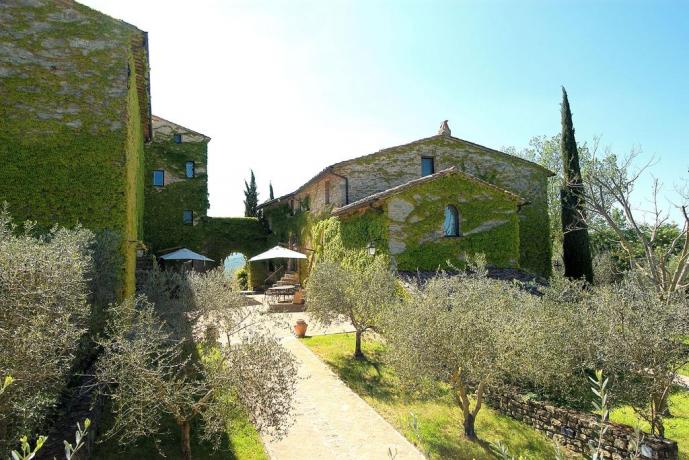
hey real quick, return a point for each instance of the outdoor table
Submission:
(281, 292)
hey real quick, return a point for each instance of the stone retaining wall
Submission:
(576, 430)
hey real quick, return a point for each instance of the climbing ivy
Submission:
(164, 226)
(422, 233)
(345, 239)
(71, 142)
(221, 236)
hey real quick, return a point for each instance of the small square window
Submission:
(188, 217)
(177, 138)
(190, 169)
(158, 178)
(427, 166)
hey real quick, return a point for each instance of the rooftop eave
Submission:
(275, 200)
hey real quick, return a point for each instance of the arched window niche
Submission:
(451, 224)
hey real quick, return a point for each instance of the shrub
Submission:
(242, 279)
(150, 367)
(43, 315)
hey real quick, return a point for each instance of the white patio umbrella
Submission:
(185, 254)
(278, 252)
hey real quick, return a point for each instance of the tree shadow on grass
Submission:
(242, 442)
(365, 376)
(167, 445)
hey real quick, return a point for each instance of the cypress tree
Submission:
(575, 243)
(250, 197)
(272, 196)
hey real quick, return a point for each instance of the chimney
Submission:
(444, 129)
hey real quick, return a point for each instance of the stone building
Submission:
(176, 200)
(78, 143)
(74, 116)
(426, 203)
(176, 185)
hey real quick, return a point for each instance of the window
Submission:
(451, 225)
(177, 138)
(427, 166)
(158, 178)
(188, 217)
(190, 169)
(327, 192)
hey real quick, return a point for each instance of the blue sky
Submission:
(288, 87)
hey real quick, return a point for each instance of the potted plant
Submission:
(300, 328)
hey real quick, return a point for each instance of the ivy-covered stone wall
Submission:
(170, 150)
(352, 180)
(488, 224)
(74, 111)
(407, 227)
(164, 228)
(397, 165)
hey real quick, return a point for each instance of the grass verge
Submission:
(676, 426)
(438, 431)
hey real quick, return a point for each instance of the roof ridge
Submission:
(181, 126)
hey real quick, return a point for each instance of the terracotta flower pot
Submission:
(300, 328)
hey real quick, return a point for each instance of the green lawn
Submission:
(242, 443)
(439, 420)
(676, 427)
(684, 370)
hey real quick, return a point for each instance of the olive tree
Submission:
(360, 296)
(150, 369)
(457, 330)
(43, 316)
(608, 186)
(624, 329)
(641, 344)
(199, 305)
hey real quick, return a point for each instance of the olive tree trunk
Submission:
(358, 354)
(469, 429)
(185, 429)
(469, 413)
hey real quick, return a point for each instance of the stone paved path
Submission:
(333, 422)
(330, 420)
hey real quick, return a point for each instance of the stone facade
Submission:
(577, 430)
(171, 148)
(169, 151)
(362, 177)
(75, 113)
(487, 221)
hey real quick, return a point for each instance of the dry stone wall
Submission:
(577, 430)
